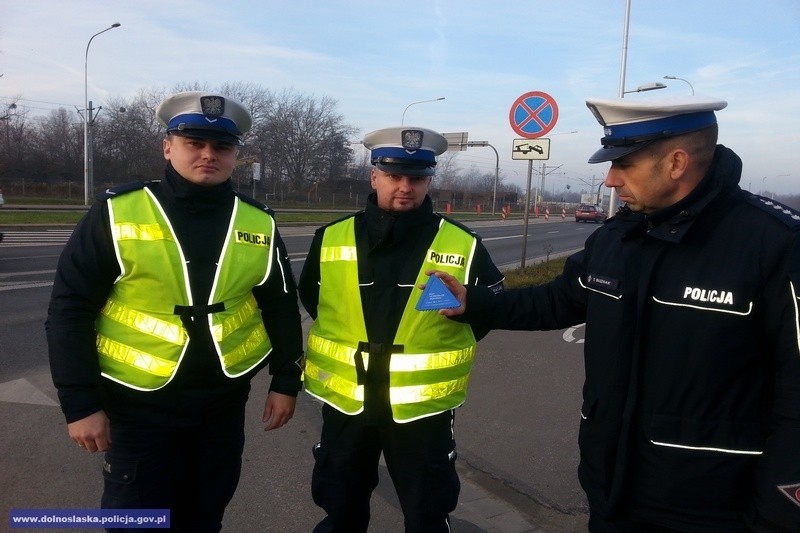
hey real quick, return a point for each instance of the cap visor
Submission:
(405, 170)
(610, 153)
(211, 135)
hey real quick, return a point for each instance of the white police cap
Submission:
(630, 124)
(205, 116)
(406, 150)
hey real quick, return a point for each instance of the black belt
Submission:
(189, 312)
(372, 348)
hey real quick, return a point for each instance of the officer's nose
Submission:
(405, 183)
(613, 178)
(208, 151)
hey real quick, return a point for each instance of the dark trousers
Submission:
(598, 524)
(192, 470)
(625, 525)
(419, 455)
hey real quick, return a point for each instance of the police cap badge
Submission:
(204, 116)
(409, 151)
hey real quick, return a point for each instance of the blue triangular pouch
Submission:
(436, 296)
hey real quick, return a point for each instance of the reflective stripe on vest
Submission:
(140, 339)
(431, 374)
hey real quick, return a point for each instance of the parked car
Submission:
(593, 213)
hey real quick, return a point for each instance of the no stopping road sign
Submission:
(533, 114)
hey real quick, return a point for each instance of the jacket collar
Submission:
(386, 228)
(193, 197)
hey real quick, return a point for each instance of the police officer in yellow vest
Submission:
(168, 298)
(390, 376)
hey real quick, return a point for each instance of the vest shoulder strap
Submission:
(119, 190)
(255, 203)
(321, 229)
(458, 224)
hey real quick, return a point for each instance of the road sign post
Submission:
(532, 116)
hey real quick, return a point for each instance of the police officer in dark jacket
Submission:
(169, 296)
(390, 375)
(691, 404)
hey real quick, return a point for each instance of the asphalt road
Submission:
(517, 433)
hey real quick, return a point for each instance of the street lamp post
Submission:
(402, 121)
(624, 60)
(612, 199)
(87, 122)
(11, 107)
(677, 78)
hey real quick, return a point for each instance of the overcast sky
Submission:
(375, 58)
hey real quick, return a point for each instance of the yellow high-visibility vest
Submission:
(430, 374)
(141, 338)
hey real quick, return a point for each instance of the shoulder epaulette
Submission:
(255, 203)
(458, 224)
(124, 188)
(787, 215)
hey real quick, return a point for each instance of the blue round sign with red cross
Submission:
(533, 114)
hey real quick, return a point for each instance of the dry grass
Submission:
(534, 274)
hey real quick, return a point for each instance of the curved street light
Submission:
(652, 86)
(496, 167)
(677, 78)
(87, 119)
(7, 117)
(420, 102)
(11, 107)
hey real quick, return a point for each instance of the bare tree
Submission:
(447, 172)
(57, 148)
(307, 141)
(255, 98)
(128, 141)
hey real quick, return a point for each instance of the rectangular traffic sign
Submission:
(538, 149)
(456, 142)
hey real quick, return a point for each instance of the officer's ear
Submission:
(373, 177)
(678, 161)
(166, 146)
